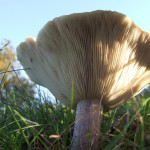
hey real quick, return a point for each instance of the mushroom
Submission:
(103, 53)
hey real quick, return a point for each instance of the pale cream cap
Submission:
(103, 53)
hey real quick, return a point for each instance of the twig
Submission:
(13, 70)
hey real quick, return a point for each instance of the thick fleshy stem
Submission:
(87, 126)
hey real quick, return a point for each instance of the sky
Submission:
(22, 18)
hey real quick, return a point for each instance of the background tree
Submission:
(12, 81)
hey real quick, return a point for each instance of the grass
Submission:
(39, 123)
(34, 124)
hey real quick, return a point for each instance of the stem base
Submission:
(87, 126)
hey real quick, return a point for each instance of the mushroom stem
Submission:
(87, 127)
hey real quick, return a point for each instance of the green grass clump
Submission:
(35, 124)
(38, 123)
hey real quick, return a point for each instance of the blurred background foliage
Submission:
(11, 78)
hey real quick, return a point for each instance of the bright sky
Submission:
(22, 18)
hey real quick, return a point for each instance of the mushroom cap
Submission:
(103, 53)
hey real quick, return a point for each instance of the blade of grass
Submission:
(146, 110)
(3, 72)
(26, 121)
(69, 117)
(19, 126)
(36, 136)
(90, 142)
(113, 143)
(117, 138)
(34, 130)
(4, 46)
